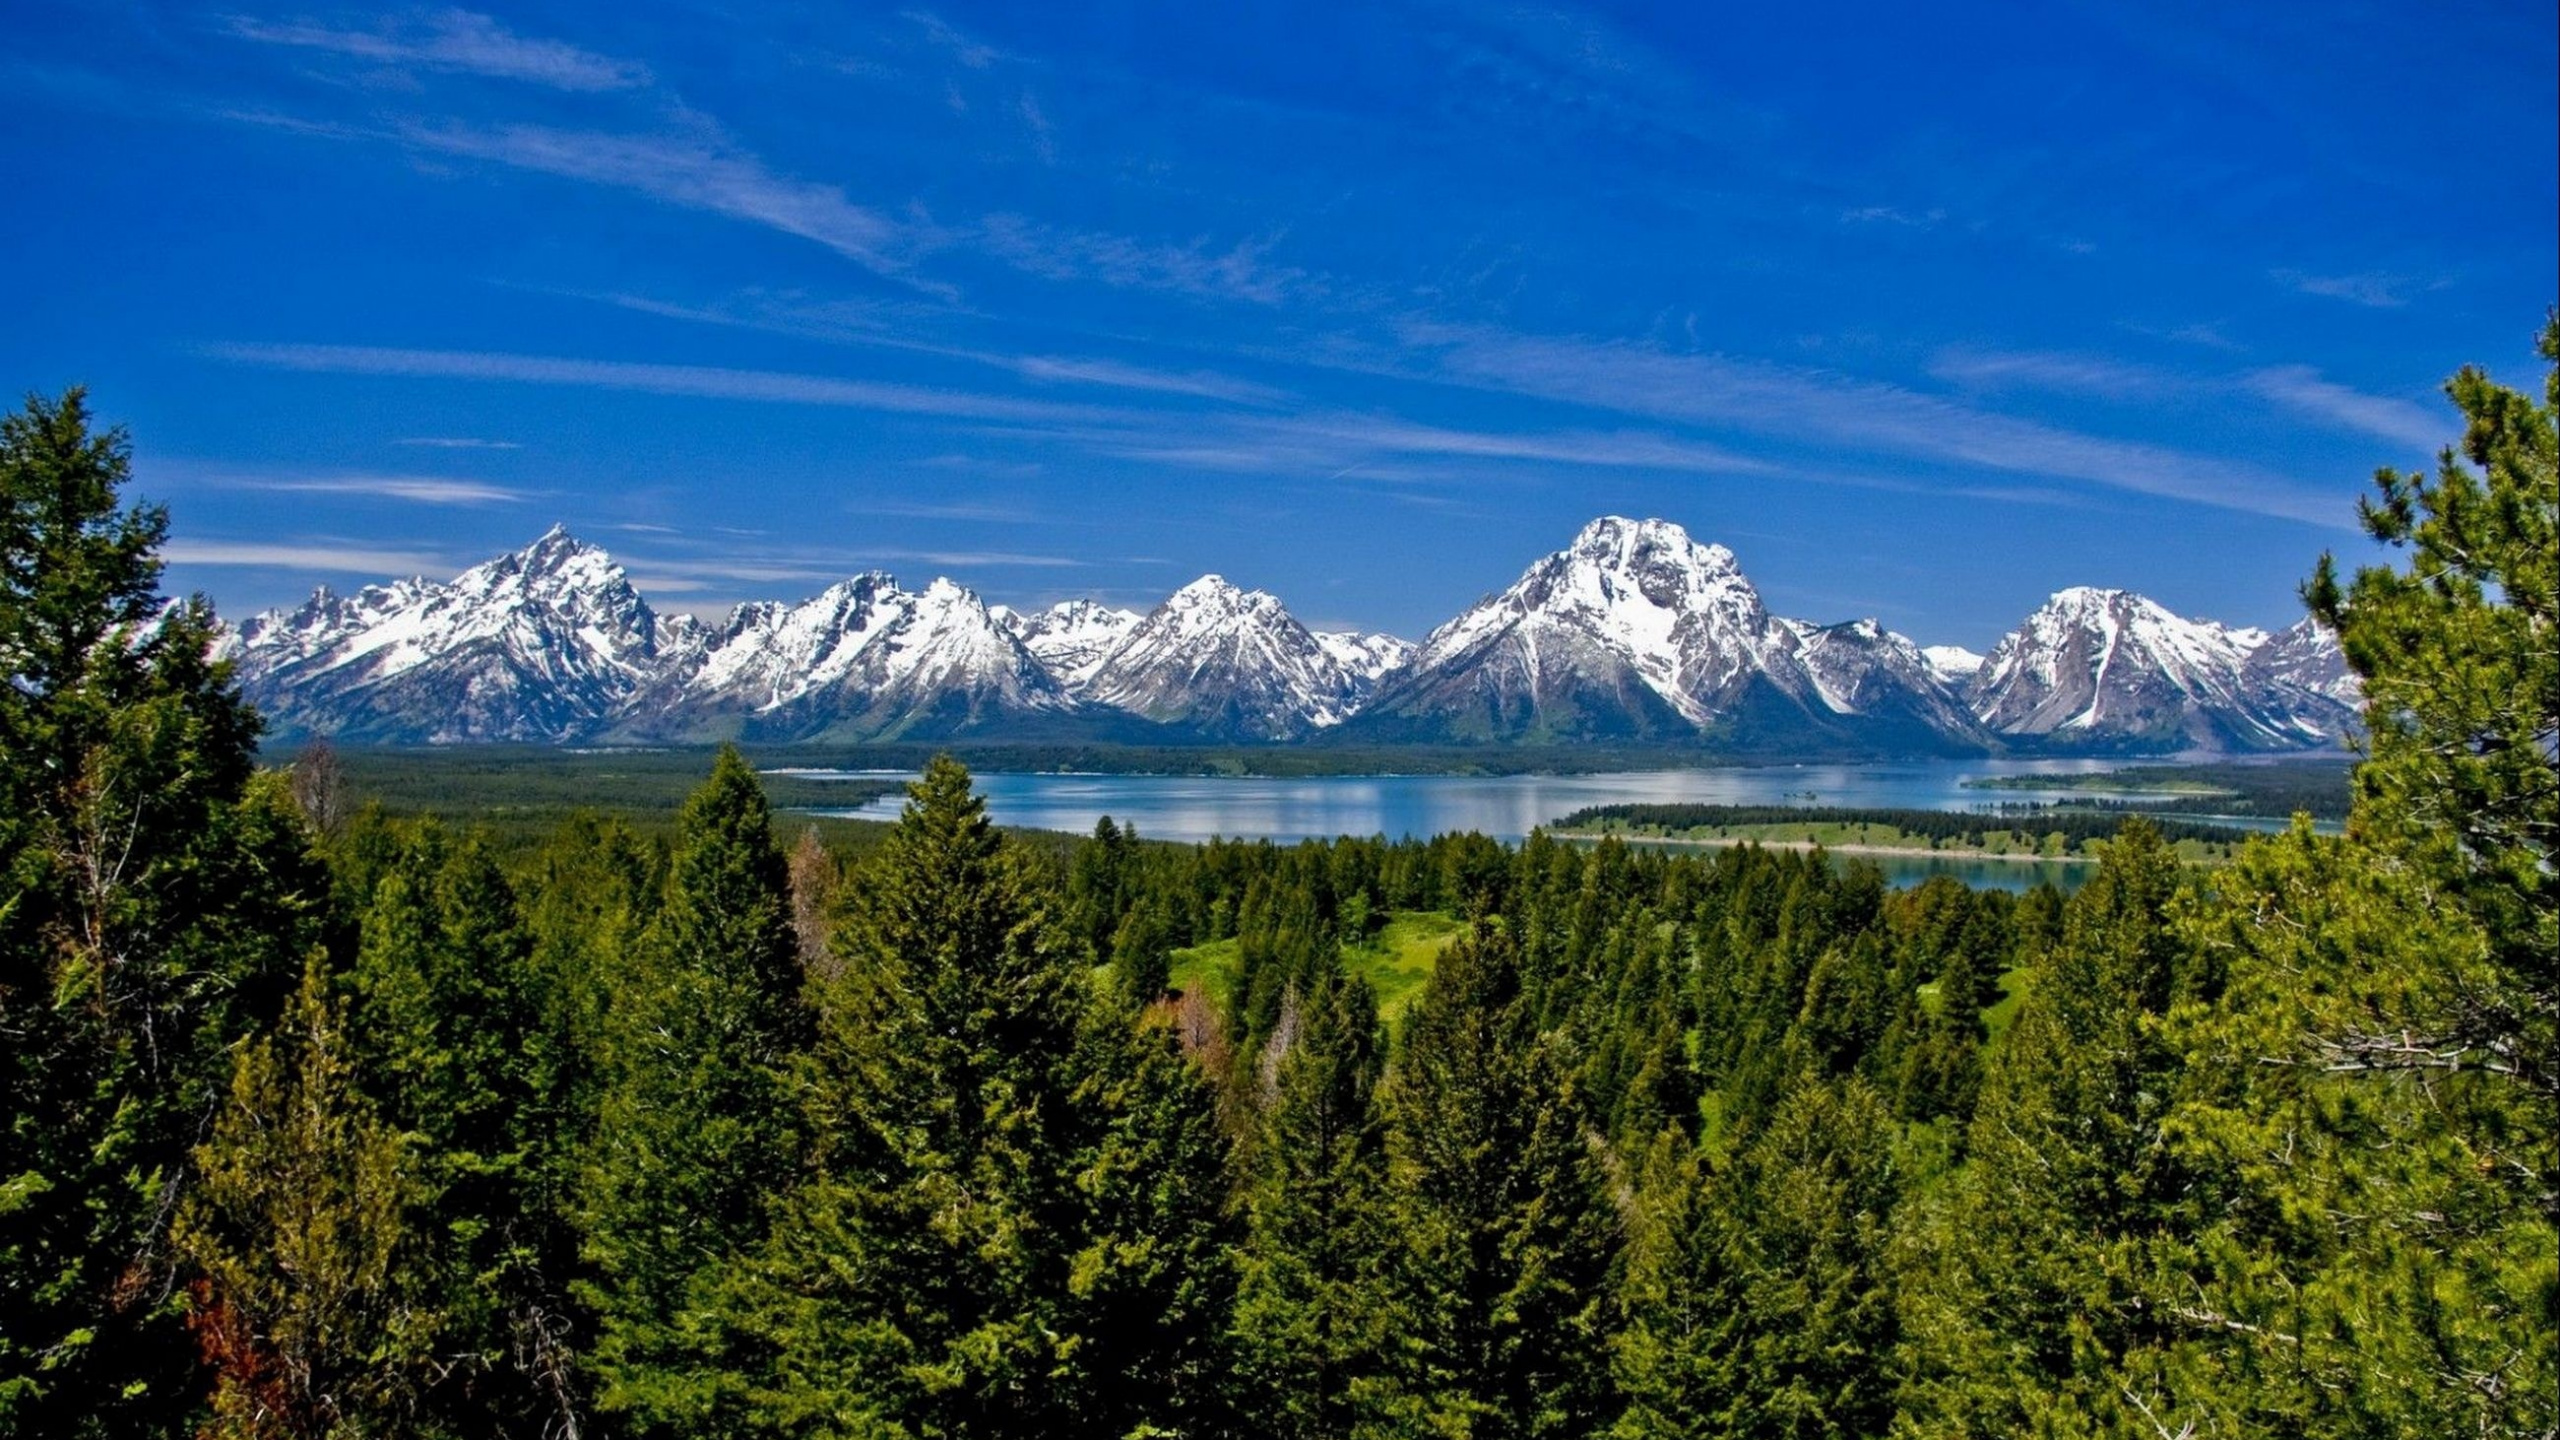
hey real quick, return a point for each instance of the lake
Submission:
(1506, 807)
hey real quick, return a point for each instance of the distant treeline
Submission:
(1934, 824)
(2318, 788)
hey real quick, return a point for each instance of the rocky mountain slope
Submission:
(1636, 632)
(1228, 664)
(2100, 670)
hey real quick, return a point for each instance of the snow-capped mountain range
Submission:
(1633, 633)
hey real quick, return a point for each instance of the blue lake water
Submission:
(1506, 807)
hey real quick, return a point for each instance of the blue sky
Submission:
(1923, 311)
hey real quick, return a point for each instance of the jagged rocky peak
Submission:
(2101, 668)
(1072, 637)
(543, 643)
(1633, 631)
(1371, 657)
(1227, 662)
(1615, 563)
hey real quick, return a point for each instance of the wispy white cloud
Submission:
(2372, 289)
(981, 465)
(1205, 384)
(2299, 388)
(855, 323)
(419, 489)
(1834, 409)
(1199, 268)
(2050, 370)
(702, 381)
(460, 41)
(1044, 136)
(327, 557)
(690, 173)
(2302, 388)
(457, 442)
(971, 53)
(366, 485)
(1893, 215)
(924, 510)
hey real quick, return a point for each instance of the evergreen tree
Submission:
(1313, 1314)
(2369, 1104)
(1760, 1301)
(2460, 661)
(302, 1231)
(155, 905)
(2024, 1304)
(931, 1277)
(695, 1137)
(457, 1053)
(1510, 1232)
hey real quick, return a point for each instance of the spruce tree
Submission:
(457, 1051)
(155, 905)
(695, 1135)
(918, 1282)
(1759, 1300)
(1315, 1347)
(1510, 1235)
(2025, 1299)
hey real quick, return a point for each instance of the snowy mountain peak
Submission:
(2113, 668)
(1629, 545)
(1636, 630)
(1072, 638)
(1227, 662)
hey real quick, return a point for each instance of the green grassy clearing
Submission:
(1396, 961)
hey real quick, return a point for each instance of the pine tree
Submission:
(2460, 662)
(457, 1053)
(695, 1135)
(1510, 1232)
(1759, 1300)
(155, 905)
(919, 1282)
(1313, 1314)
(2368, 1106)
(2024, 1303)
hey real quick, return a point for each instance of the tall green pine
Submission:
(696, 1134)
(1509, 1232)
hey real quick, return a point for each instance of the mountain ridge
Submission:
(1634, 633)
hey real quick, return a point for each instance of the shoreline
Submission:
(1726, 842)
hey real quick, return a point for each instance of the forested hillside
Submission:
(317, 1121)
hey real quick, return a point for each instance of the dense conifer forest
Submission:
(317, 1120)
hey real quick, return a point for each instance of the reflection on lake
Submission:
(1506, 807)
